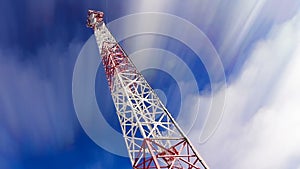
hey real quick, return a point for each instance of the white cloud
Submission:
(233, 26)
(35, 104)
(261, 119)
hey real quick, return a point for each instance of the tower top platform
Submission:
(94, 18)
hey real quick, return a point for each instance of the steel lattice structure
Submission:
(152, 136)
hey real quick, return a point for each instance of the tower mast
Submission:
(152, 136)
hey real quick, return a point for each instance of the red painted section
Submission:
(179, 156)
(115, 60)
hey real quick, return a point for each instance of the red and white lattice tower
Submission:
(152, 137)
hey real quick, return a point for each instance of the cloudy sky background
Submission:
(258, 43)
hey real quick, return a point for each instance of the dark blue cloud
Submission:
(29, 25)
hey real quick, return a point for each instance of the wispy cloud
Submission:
(261, 119)
(35, 100)
(232, 26)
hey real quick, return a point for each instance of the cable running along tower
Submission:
(153, 138)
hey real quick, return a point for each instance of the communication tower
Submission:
(153, 138)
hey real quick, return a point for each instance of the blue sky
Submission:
(257, 44)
